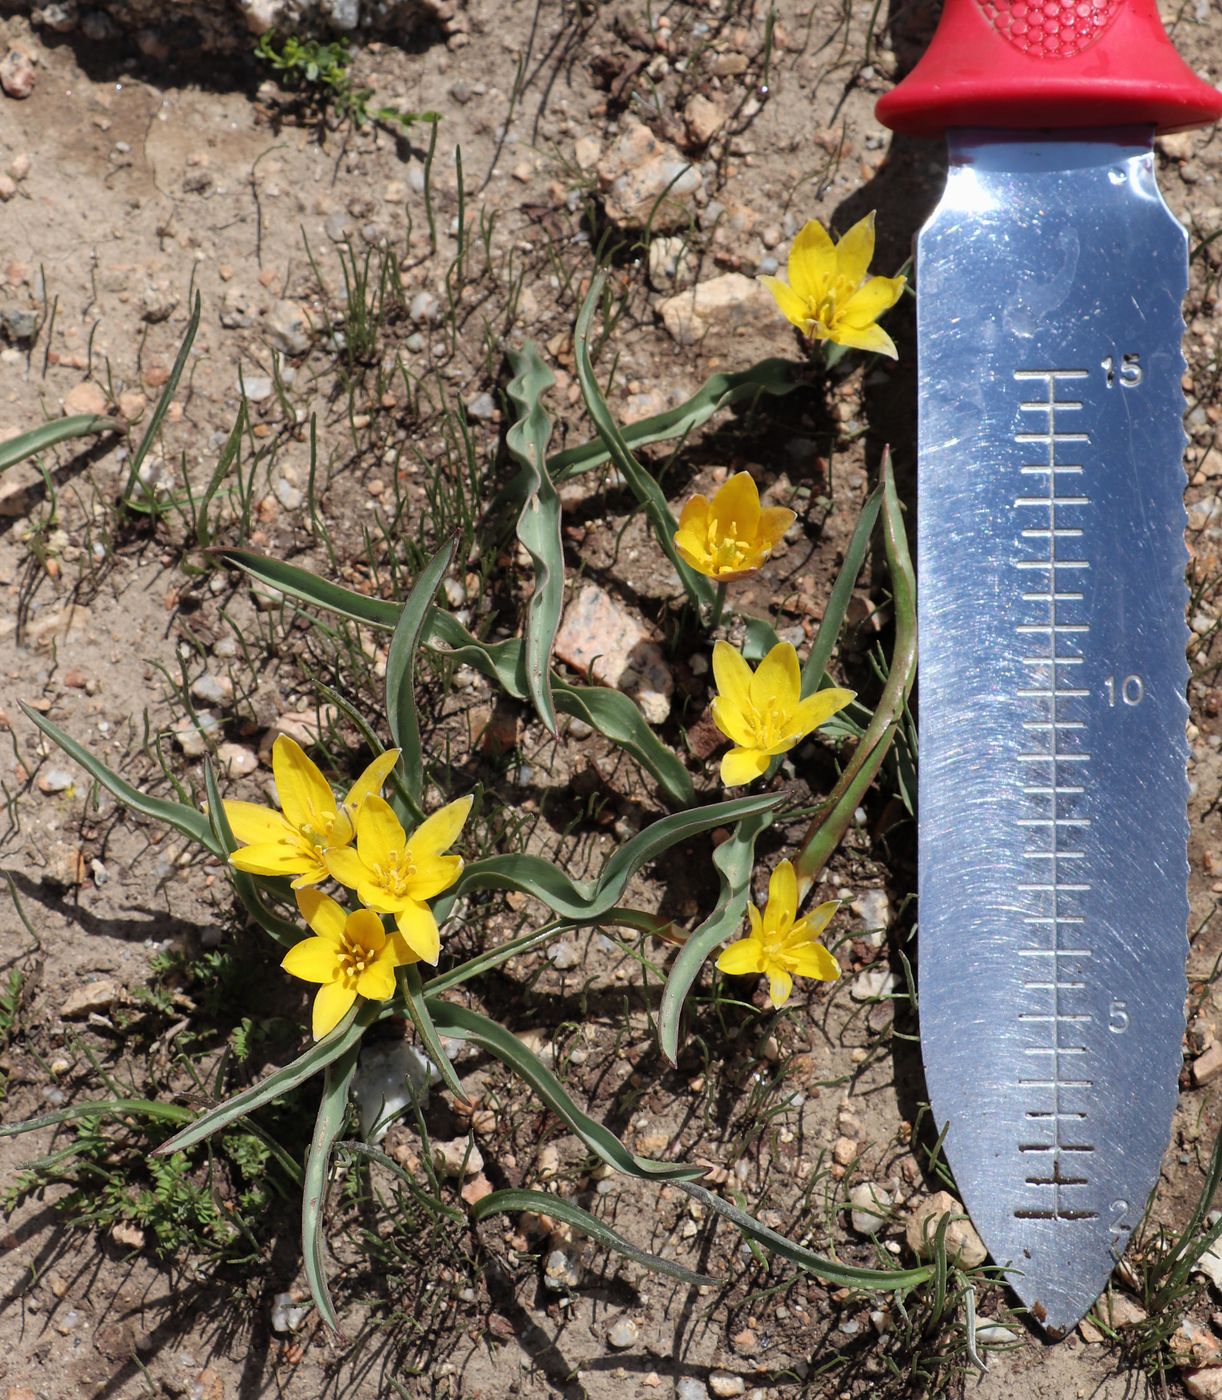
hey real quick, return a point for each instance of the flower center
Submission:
(318, 833)
(728, 551)
(354, 959)
(396, 875)
(769, 723)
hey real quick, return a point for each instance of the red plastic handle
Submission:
(1030, 64)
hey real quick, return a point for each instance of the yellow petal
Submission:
(401, 954)
(305, 795)
(742, 958)
(694, 552)
(818, 708)
(346, 866)
(695, 515)
(780, 984)
(814, 960)
(438, 833)
(820, 916)
(741, 766)
(793, 308)
(313, 960)
(331, 1005)
(380, 839)
(872, 338)
(868, 303)
(854, 251)
(323, 914)
(756, 922)
(774, 521)
(419, 930)
(732, 676)
(273, 858)
(252, 823)
(434, 874)
(777, 680)
(365, 929)
(782, 896)
(372, 779)
(377, 982)
(736, 508)
(315, 875)
(812, 262)
(732, 722)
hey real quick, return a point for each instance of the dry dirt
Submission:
(139, 179)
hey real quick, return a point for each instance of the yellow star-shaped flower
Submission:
(762, 712)
(829, 296)
(350, 954)
(730, 536)
(293, 840)
(780, 945)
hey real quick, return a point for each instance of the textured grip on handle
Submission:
(1066, 64)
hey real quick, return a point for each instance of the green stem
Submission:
(719, 605)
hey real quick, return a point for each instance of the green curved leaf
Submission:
(830, 1270)
(538, 521)
(162, 406)
(178, 815)
(640, 482)
(100, 1108)
(465, 1024)
(735, 860)
(17, 449)
(282, 1081)
(585, 900)
(543, 1202)
(774, 377)
(401, 674)
(612, 713)
(332, 1110)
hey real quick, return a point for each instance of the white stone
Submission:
(1205, 1384)
(963, 1244)
(598, 637)
(873, 984)
(871, 1206)
(622, 1333)
(390, 1076)
(236, 760)
(287, 1315)
(458, 1158)
(288, 328)
(719, 308)
(646, 182)
(212, 690)
(723, 1384)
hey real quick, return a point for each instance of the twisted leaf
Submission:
(17, 449)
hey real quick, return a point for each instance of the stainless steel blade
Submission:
(1053, 790)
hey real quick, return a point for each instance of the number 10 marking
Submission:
(1132, 690)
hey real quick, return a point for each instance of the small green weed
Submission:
(321, 73)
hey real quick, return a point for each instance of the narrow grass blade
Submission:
(285, 931)
(642, 485)
(511, 1202)
(337, 1078)
(163, 404)
(100, 1108)
(735, 860)
(581, 899)
(401, 673)
(430, 1203)
(828, 827)
(838, 600)
(538, 522)
(17, 449)
(774, 377)
(418, 1011)
(830, 1270)
(469, 1025)
(611, 712)
(176, 814)
(282, 1081)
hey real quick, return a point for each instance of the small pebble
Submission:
(54, 780)
(483, 406)
(212, 690)
(723, 1384)
(623, 1333)
(563, 956)
(17, 73)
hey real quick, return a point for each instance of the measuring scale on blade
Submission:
(1053, 791)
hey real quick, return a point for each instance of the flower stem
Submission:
(719, 604)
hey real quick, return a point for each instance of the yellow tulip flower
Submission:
(730, 536)
(829, 296)
(350, 954)
(293, 840)
(394, 873)
(762, 712)
(780, 945)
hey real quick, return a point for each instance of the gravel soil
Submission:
(135, 177)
